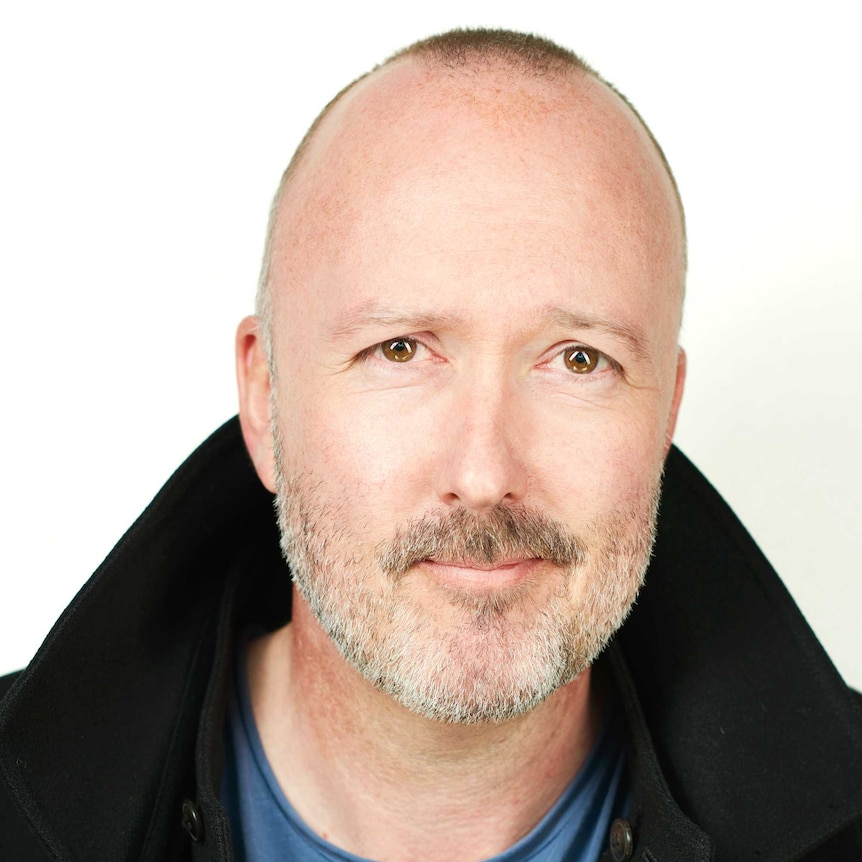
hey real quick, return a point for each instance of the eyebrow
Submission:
(371, 313)
(631, 334)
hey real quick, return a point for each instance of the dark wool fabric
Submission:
(745, 744)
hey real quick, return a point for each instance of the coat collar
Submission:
(739, 723)
(759, 739)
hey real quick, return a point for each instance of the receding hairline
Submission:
(462, 50)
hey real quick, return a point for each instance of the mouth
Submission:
(483, 575)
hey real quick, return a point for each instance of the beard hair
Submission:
(506, 650)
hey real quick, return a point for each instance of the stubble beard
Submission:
(496, 654)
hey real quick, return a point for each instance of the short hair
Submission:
(460, 49)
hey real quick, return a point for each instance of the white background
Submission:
(140, 146)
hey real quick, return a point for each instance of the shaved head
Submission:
(473, 56)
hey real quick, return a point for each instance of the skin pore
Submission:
(493, 225)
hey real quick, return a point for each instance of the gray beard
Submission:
(502, 652)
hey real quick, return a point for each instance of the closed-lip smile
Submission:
(505, 572)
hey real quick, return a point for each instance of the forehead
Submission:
(416, 158)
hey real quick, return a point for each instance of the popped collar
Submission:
(744, 742)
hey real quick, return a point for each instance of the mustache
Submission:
(462, 535)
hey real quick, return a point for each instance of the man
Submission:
(461, 385)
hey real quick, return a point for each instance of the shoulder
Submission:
(846, 846)
(6, 682)
(17, 840)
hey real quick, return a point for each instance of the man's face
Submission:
(477, 286)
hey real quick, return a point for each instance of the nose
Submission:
(483, 458)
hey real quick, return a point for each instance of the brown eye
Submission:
(581, 360)
(399, 350)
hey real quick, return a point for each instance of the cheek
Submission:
(363, 453)
(597, 463)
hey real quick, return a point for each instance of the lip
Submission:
(482, 575)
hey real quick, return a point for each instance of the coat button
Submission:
(622, 843)
(192, 821)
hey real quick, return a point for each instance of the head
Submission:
(465, 371)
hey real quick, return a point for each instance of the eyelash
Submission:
(369, 352)
(601, 357)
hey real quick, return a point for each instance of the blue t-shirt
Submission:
(265, 827)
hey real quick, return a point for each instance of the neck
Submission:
(384, 783)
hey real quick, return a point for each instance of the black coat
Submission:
(745, 743)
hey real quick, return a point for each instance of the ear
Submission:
(677, 398)
(253, 382)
